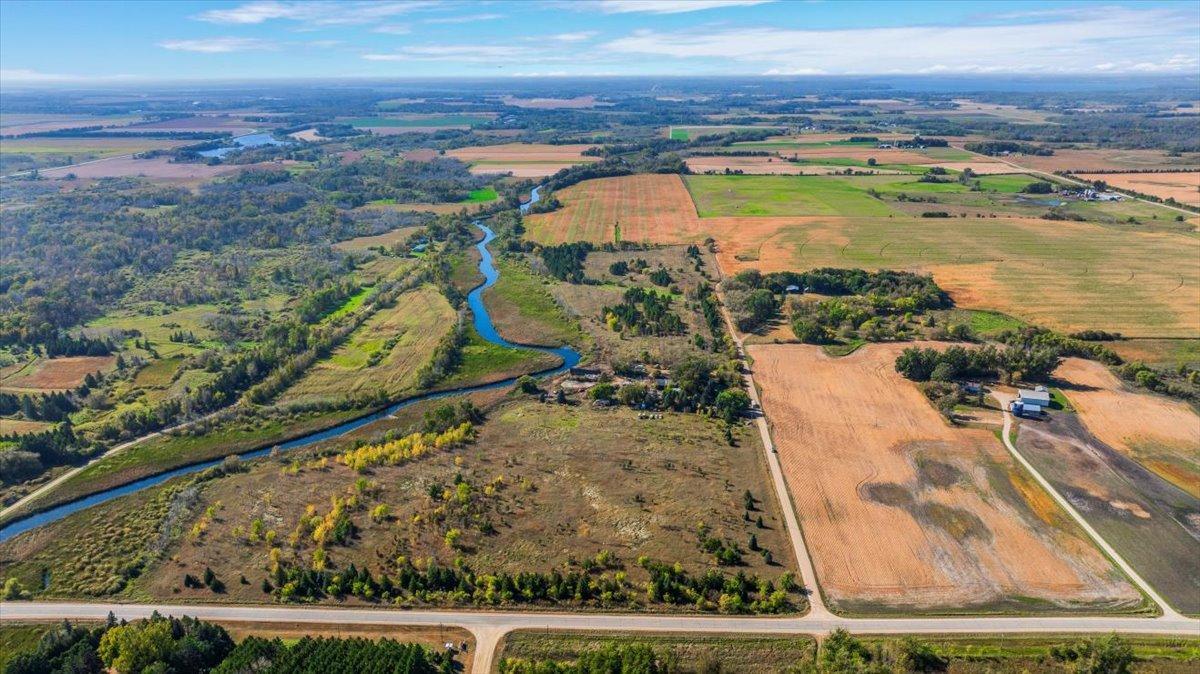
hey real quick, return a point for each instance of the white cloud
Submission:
(218, 45)
(460, 54)
(392, 29)
(469, 18)
(1150, 40)
(669, 6)
(581, 36)
(316, 13)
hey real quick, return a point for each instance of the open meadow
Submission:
(23, 154)
(383, 355)
(1160, 433)
(903, 512)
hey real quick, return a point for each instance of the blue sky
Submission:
(105, 42)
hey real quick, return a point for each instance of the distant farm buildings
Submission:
(1031, 403)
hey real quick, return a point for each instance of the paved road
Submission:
(488, 627)
(1066, 505)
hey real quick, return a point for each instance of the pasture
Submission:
(691, 132)
(1152, 523)
(733, 195)
(903, 512)
(1160, 433)
(384, 354)
(1182, 187)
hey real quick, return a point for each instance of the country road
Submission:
(1145, 587)
(488, 626)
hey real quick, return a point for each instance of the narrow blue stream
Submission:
(483, 325)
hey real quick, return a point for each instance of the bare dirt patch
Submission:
(1182, 187)
(57, 374)
(903, 511)
(1160, 433)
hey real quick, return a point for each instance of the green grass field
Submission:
(481, 196)
(483, 361)
(746, 195)
(524, 311)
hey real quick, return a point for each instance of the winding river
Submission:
(483, 325)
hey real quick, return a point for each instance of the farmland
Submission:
(1152, 523)
(52, 374)
(1160, 433)
(1183, 187)
(1140, 280)
(22, 154)
(646, 208)
(905, 513)
(522, 159)
(159, 168)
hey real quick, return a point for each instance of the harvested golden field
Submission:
(654, 208)
(901, 511)
(158, 168)
(1160, 433)
(23, 426)
(398, 235)
(517, 152)
(54, 374)
(1182, 187)
(980, 167)
(1099, 161)
(1069, 276)
(523, 160)
(755, 165)
(883, 156)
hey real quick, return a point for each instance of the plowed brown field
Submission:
(902, 511)
(1160, 433)
(55, 374)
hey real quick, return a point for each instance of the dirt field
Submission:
(885, 156)
(21, 123)
(903, 511)
(1182, 187)
(54, 374)
(307, 134)
(647, 207)
(981, 167)
(159, 168)
(1160, 433)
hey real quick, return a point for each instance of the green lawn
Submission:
(482, 196)
(748, 195)
(680, 134)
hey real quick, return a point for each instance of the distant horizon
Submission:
(92, 43)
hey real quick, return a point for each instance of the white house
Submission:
(1038, 396)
